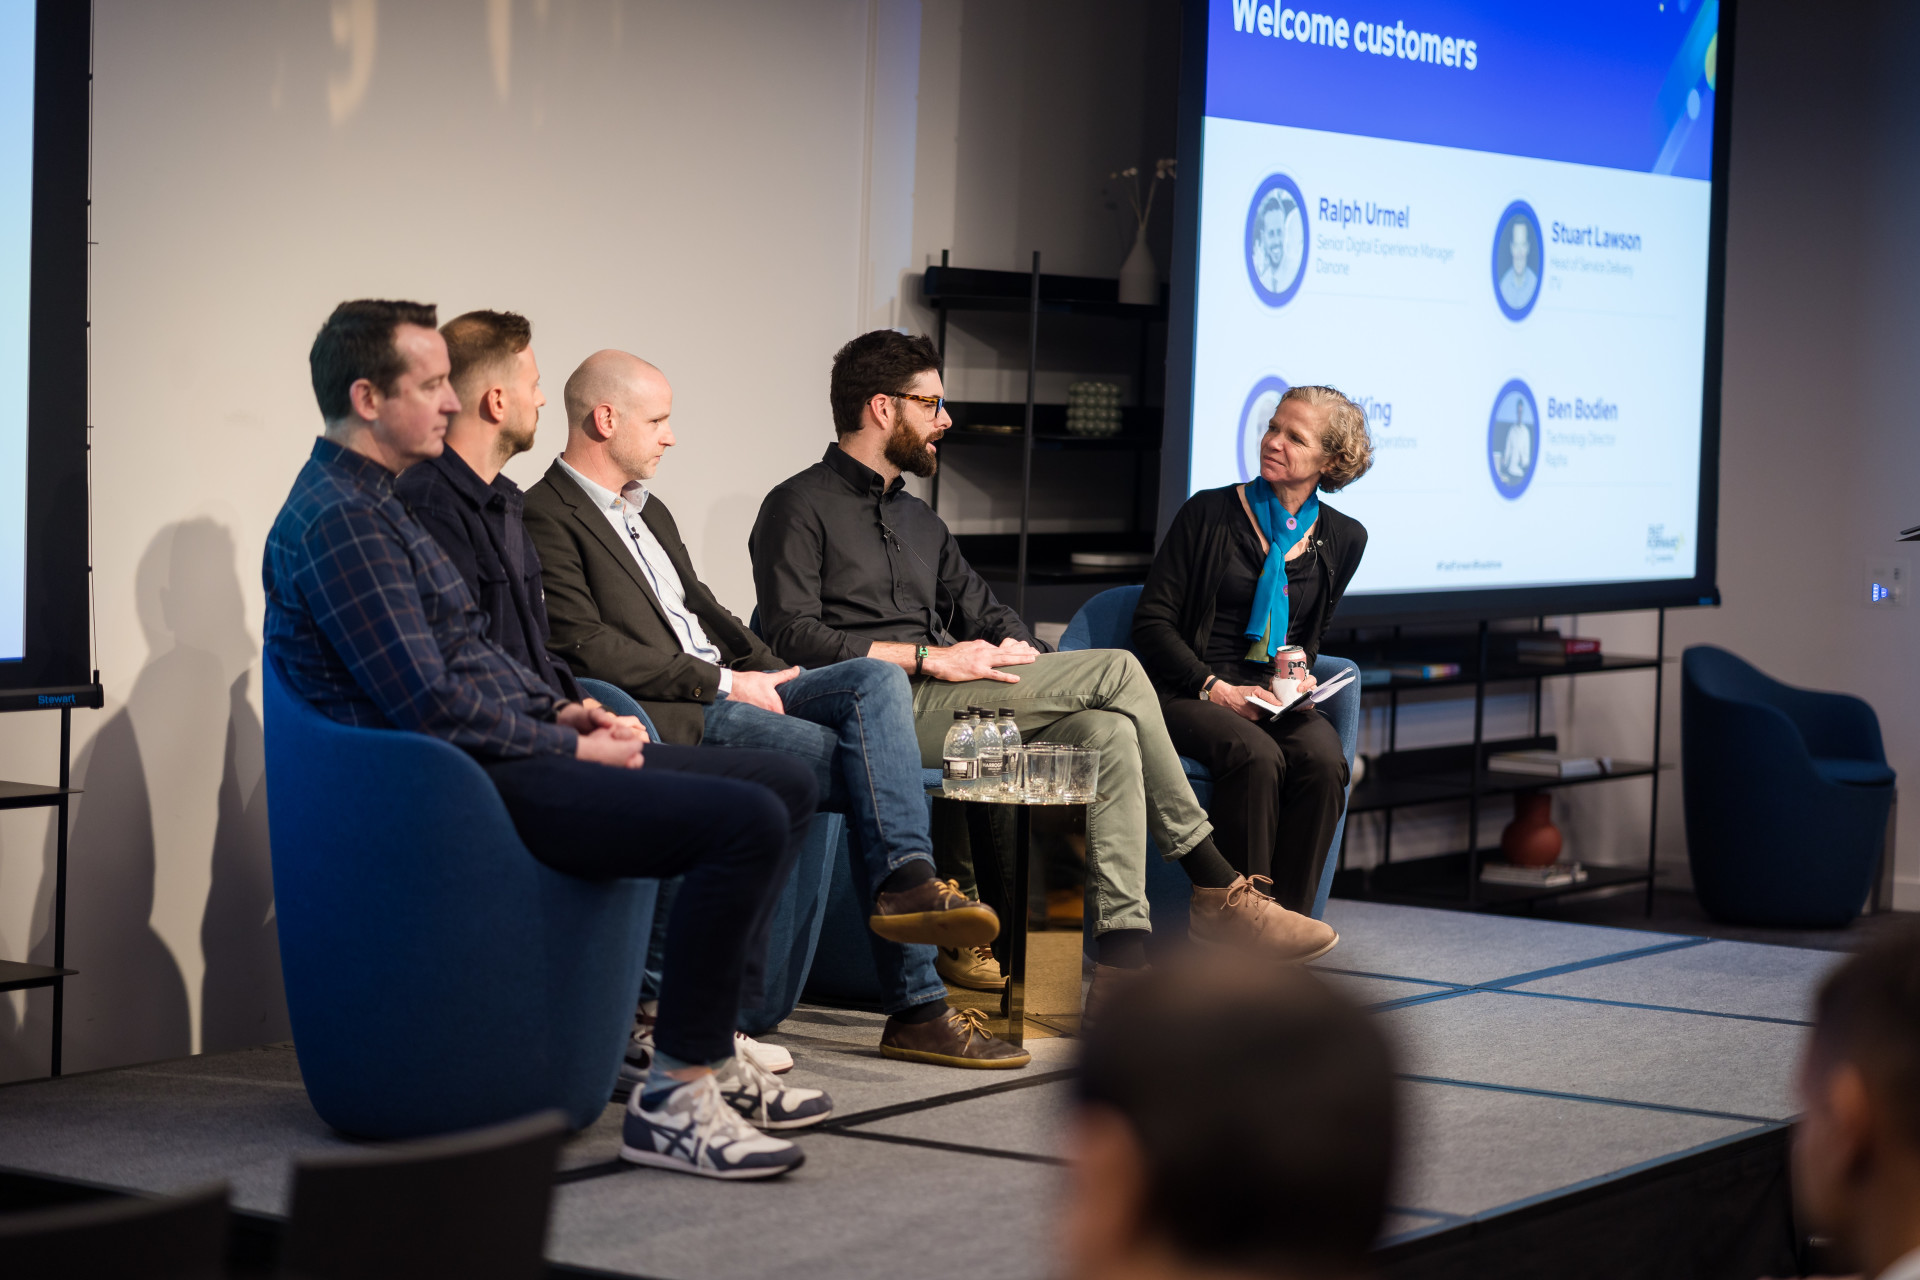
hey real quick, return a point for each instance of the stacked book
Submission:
(1551, 649)
(1424, 670)
(1551, 876)
(1549, 764)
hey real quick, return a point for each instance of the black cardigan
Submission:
(1175, 614)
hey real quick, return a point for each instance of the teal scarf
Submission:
(1267, 628)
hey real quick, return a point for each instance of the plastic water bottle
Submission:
(1009, 731)
(960, 758)
(1009, 745)
(993, 760)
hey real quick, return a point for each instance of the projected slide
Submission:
(16, 245)
(1488, 224)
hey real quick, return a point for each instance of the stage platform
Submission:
(1580, 1101)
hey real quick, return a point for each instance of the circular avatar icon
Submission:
(1513, 439)
(1277, 240)
(1254, 416)
(1516, 260)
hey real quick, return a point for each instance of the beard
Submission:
(907, 451)
(515, 439)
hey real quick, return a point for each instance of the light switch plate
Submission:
(1886, 584)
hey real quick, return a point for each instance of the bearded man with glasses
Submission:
(847, 564)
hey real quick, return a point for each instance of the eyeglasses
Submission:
(938, 402)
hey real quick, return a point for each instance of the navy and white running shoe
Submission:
(764, 1101)
(694, 1130)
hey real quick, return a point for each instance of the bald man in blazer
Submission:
(627, 607)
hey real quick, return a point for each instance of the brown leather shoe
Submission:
(1108, 982)
(1241, 915)
(960, 1039)
(971, 967)
(936, 912)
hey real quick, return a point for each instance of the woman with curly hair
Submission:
(1245, 571)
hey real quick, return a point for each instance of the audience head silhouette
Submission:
(1237, 1118)
(619, 410)
(1856, 1158)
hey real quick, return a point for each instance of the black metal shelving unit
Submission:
(14, 975)
(1455, 773)
(1027, 558)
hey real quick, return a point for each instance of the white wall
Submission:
(691, 182)
(732, 191)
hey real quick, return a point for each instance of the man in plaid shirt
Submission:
(374, 626)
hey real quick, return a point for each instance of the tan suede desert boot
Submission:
(1241, 915)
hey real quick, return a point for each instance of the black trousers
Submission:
(729, 820)
(1278, 789)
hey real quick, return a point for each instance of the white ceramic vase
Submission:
(1139, 278)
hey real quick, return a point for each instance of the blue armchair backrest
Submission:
(1104, 622)
(1829, 724)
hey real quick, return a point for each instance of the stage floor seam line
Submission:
(1390, 977)
(588, 1172)
(1670, 1108)
(1431, 997)
(934, 1144)
(1576, 966)
(1652, 1008)
(875, 1114)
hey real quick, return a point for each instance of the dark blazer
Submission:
(1175, 614)
(607, 622)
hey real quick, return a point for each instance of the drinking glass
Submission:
(1079, 774)
(1041, 771)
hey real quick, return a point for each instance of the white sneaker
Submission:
(638, 1062)
(694, 1130)
(766, 1103)
(771, 1057)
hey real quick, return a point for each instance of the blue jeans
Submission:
(853, 721)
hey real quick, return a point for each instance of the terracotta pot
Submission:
(1531, 839)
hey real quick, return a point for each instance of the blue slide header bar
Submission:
(1616, 85)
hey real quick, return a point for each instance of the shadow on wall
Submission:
(188, 743)
(242, 1001)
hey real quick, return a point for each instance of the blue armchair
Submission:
(1787, 793)
(1106, 622)
(410, 914)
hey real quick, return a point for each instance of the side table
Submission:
(1014, 932)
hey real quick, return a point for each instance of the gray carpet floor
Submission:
(1540, 1057)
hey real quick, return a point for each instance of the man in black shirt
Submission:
(847, 564)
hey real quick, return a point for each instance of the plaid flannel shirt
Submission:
(375, 627)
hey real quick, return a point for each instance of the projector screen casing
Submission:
(57, 669)
(1464, 603)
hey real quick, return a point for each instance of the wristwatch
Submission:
(1207, 684)
(919, 658)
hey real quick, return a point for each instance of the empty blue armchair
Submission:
(1106, 622)
(1787, 793)
(438, 977)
